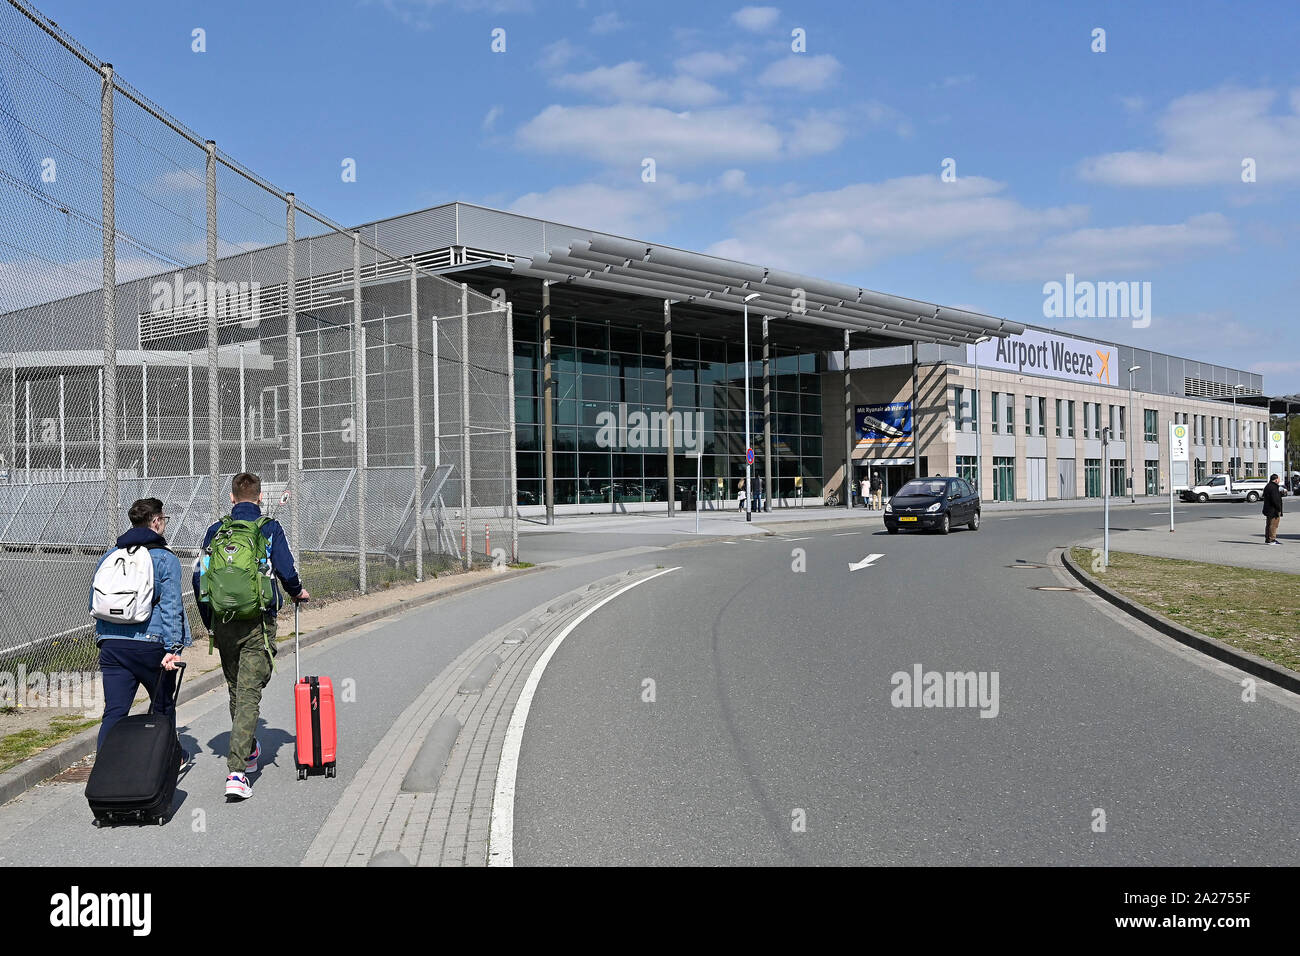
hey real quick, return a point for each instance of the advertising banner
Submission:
(887, 426)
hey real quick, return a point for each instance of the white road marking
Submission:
(501, 840)
(804, 538)
(840, 534)
(866, 562)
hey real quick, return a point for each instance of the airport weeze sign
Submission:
(1056, 356)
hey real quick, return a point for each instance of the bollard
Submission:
(487, 539)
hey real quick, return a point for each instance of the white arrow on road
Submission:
(866, 562)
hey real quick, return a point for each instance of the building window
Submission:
(1059, 404)
(1150, 424)
(1092, 477)
(1029, 414)
(1069, 419)
(1152, 477)
(1200, 472)
(993, 411)
(968, 468)
(1042, 415)
(1118, 486)
(1011, 412)
(1004, 479)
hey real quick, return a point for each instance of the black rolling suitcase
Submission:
(134, 776)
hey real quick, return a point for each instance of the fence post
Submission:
(13, 415)
(27, 392)
(415, 421)
(102, 418)
(510, 445)
(291, 363)
(466, 494)
(359, 403)
(243, 415)
(63, 435)
(189, 407)
(112, 494)
(214, 399)
(144, 417)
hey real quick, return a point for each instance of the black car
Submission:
(938, 504)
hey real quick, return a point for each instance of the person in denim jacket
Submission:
(134, 654)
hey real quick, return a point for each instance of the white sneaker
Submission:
(238, 787)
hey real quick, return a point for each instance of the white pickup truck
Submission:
(1226, 488)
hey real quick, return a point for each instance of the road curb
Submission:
(1243, 660)
(19, 779)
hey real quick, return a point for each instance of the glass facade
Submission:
(968, 468)
(1004, 479)
(611, 429)
(1152, 477)
(1118, 473)
(1092, 477)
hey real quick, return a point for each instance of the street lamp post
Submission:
(1128, 437)
(979, 449)
(1236, 427)
(749, 488)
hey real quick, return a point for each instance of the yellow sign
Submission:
(798, 482)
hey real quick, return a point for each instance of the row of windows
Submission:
(964, 409)
(646, 392)
(569, 491)
(731, 444)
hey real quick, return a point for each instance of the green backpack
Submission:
(236, 582)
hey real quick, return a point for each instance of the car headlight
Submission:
(889, 508)
(934, 507)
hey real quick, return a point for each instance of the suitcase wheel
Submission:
(96, 822)
(162, 821)
(330, 771)
(302, 774)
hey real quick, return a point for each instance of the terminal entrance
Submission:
(894, 474)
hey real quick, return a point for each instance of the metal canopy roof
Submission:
(634, 268)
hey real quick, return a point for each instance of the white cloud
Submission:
(948, 82)
(710, 63)
(1205, 136)
(624, 134)
(1117, 252)
(492, 116)
(755, 19)
(423, 14)
(859, 224)
(555, 56)
(607, 23)
(629, 82)
(639, 210)
(800, 71)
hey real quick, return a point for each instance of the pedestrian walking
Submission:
(740, 495)
(1272, 509)
(877, 488)
(140, 626)
(865, 491)
(244, 555)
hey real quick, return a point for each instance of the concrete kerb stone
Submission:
(1243, 660)
(452, 823)
(39, 768)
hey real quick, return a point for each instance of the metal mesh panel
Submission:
(162, 362)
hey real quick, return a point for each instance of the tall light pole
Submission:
(749, 488)
(1235, 426)
(979, 448)
(1128, 436)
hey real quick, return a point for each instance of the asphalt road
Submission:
(772, 707)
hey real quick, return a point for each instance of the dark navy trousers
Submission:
(126, 665)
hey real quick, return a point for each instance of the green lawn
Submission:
(1255, 611)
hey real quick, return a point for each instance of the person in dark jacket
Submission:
(248, 648)
(1272, 509)
(130, 654)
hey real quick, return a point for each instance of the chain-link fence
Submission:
(216, 325)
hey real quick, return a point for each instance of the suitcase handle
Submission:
(176, 695)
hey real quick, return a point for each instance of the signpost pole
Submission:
(1105, 454)
(1179, 455)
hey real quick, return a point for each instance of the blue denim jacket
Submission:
(167, 624)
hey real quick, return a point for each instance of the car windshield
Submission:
(932, 488)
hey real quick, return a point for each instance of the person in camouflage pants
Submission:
(248, 647)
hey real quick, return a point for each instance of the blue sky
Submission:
(1123, 165)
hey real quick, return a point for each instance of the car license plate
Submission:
(906, 519)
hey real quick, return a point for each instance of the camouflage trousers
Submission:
(243, 646)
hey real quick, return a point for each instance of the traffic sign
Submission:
(749, 456)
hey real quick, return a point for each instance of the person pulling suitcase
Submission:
(244, 555)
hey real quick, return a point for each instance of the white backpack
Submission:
(122, 590)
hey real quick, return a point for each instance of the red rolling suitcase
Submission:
(316, 727)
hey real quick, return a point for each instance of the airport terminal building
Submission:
(647, 369)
